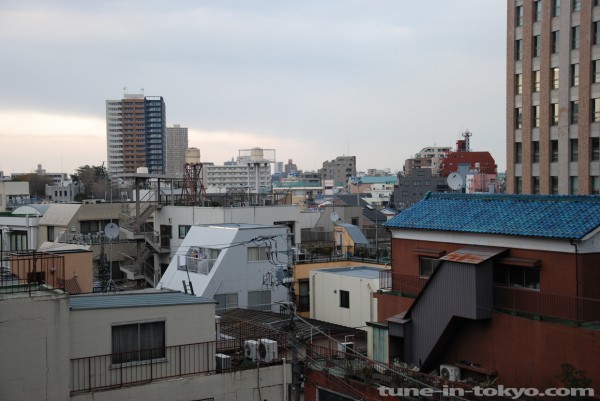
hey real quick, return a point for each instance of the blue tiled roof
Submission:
(551, 216)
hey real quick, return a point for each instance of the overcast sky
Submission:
(313, 80)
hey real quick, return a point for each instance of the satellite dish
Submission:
(455, 181)
(111, 231)
(334, 217)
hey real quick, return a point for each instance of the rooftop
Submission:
(133, 299)
(546, 216)
(368, 272)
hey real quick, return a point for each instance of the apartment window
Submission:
(427, 265)
(576, 5)
(555, 8)
(574, 74)
(183, 230)
(555, 41)
(595, 145)
(535, 185)
(517, 276)
(258, 253)
(518, 49)
(574, 111)
(344, 299)
(259, 300)
(595, 184)
(574, 185)
(596, 33)
(535, 116)
(536, 46)
(554, 185)
(518, 84)
(518, 117)
(518, 152)
(18, 241)
(535, 156)
(554, 150)
(50, 233)
(554, 114)
(575, 37)
(536, 81)
(537, 11)
(226, 302)
(573, 150)
(519, 16)
(555, 78)
(138, 342)
(595, 110)
(596, 71)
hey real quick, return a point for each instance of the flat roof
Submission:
(370, 272)
(134, 299)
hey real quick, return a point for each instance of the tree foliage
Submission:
(37, 183)
(93, 181)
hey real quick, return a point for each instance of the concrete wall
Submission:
(34, 363)
(261, 384)
(184, 324)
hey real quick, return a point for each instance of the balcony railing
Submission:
(519, 300)
(27, 271)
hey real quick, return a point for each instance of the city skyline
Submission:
(313, 81)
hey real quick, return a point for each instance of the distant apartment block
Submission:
(430, 157)
(135, 130)
(176, 144)
(553, 100)
(339, 170)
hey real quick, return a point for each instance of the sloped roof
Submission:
(549, 216)
(35, 209)
(59, 214)
(354, 232)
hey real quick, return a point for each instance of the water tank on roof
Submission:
(192, 156)
(256, 154)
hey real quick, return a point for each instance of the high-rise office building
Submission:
(135, 133)
(176, 144)
(553, 97)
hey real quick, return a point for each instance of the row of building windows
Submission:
(536, 42)
(555, 10)
(573, 150)
(573, 185)
(554, 114)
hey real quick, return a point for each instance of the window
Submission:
(518, 185)
(517, 276)
(427, 265)
(535, 155)
(518, 152)
(554, 114)
(574, 111)
(595, 71)
(574, 185)
(595, 145)
(50, 233)
(554, 185)
(18, 241)
(596, 33)
(555, 8)
(536, 81)
(259, 300)
(576, 5)
(595, 110)
(519, 16)
(537, 11)
(573, 150)
(518, 49)
(575, 37)
(183, 230)
(574, 74)
(535, 185)
(555, 41)
(226, 302)
(535, 116)
(555, 78)
(595, 185)
(536, 46)
(554, 150)
(344, 299)
(258, 253)
(518, 117)
(518, 84)
(138, 342)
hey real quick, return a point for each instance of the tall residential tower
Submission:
(176, 144)
(135, 133)
(553, 97)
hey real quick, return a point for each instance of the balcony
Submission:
(404, 283)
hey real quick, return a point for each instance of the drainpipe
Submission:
(284, 380)
(572, 242)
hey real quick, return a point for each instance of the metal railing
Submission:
(27, 271)
(405, 283)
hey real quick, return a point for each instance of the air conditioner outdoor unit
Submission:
(267, 350)
(449, 372)
(223, 362)
(251, 350)
(345, 348)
